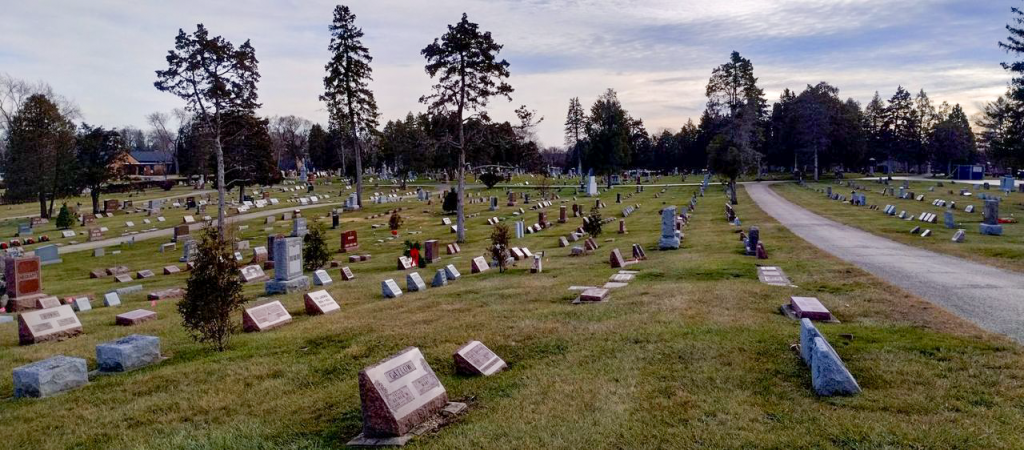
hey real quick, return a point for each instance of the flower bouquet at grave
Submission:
(413, 250)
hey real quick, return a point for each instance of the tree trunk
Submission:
(732, 191)
(815, 164)
(460, 218)
(241, 193)
(359, 166)
(95, 194)
(42, 206)
(221, 193)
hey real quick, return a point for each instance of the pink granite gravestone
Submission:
(475, 358)
(134, 317)
(320, 302)
(809, 308)
(399, 393)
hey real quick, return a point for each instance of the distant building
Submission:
(148, 163)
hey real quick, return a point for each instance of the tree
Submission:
(816, 110)
(736, 106)
(608, 134)
(99, 154)
(902, 127)
(40, 157)
(318, 145)
(13, 95)
(490, 179)
(350, 101)
(464, 61)
(499, 246)
(213, 78)
(451, 201)
(64, 219)
(726, 159)
(952, 140)
(248, 152)
(213, 292)
(290, 137)
(575, 128)
(315, 254)
(162, 137)
(1014, 44)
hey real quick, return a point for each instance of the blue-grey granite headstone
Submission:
(50, 376)
(128, 353)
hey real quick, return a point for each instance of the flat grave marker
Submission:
(265, 317)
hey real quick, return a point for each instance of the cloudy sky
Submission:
(658, 54)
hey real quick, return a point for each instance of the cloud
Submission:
(657, 54)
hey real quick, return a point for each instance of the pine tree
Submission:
(64, 219)
(350, 101)
(575, 127)
(499, 245)
(213, 292)
(40, 158)
(465, 62)
(314, 247)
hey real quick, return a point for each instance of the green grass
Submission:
(692, 354)
(1006, 251)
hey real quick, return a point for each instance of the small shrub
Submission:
(314, 247)
(451, 202)
(213, 292)
(499, 245)
(593, 224)
(64, 219)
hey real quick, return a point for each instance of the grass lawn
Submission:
(692, 354)
(1006, 251)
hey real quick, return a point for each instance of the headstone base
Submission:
(668, 243)
(287, 287)
(991, 230)
(25, 303)
(447, 415)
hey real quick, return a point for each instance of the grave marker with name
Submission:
(399, 393)
(320, 302)
(265, 317)
(475, 358)
(52, 324)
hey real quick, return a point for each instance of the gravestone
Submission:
(753, 237)
(128, 353)
(669, 238)
(475, 358)
(432, 250)
(346, 274)
(538, 264)
(591, 186)
(948, 219)
(143, 274)
(253, 273)
(593, 295)
(959, 236)
(390, 289)
(321, 278)
(808, 308)
(48, 255)
(440, 279)
(479, 264)
(111, 299)
(562, 214)
(349, 241)
(414, 283)
(616, 259)
(47, 302)
(81, 304)
(299, 229)
(24, 282)
(320, 302)
(180, 231)
(189, 250)
(135, 317)
(52, 324)
(990, 225)
(399, 393)
(451, 272)
(829, 376)
(772, 276)
(288, 275)
(50, 376)
(265, 317)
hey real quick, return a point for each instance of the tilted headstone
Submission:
(135, 317)
(322, 278)
(253, 273)
(320, 302)
(440, 279)
(414, 283)
(111, 299)
(829, 376)
(390, 289)
(451, 272)
(479, 264)
(52, 324)
(265, 317)
(399, 393)
(475, 358)
(128, 353)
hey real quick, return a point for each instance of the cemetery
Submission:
(694, 287)
(274, 260)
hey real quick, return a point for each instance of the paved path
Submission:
(87, 206)
(168, 232)
(990, 297)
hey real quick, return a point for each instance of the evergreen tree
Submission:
(214, 79)
(608, 135)
(350, 101)
(98, 155)
(213, 292)
(951, 141)
(40, 158)
(315, 254)
(575, 129)
(248, 152)
(465, 62)
(64, 219)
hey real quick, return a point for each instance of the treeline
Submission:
(811, 131)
